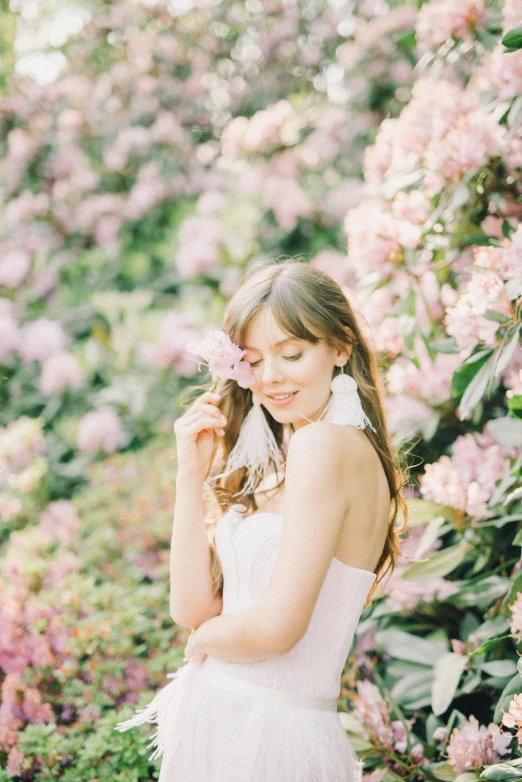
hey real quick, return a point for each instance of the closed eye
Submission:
(287, 358)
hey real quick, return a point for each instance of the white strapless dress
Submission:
(273, 720)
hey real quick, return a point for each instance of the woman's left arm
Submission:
(320, 470)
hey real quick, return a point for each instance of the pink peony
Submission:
(513, 717)
(100, 430)
(467, 479)
(465, 320)
(41, 339)
(60, 518)
(61, 371)
(223, 357)
(440, 20)
(14, 265)
(171, 344)
(473, 746)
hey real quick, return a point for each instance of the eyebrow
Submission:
(277, 344)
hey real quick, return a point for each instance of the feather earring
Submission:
(255, 448)
(345, 406)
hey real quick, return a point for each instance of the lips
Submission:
(282, 395)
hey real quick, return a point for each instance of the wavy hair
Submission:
(309, 305)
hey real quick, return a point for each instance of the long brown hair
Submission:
(309, 305)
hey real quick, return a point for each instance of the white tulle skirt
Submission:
(209, 732)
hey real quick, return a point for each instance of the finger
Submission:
(206, 408)
(208, 398)
(201, 424)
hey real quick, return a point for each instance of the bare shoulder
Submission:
(346, 443)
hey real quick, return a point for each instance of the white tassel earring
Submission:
(345, 406)
(255, 447)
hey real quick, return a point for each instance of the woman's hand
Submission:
(195, 432)
(192, 653)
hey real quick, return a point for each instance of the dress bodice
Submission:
(247, 547)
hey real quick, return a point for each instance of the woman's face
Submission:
(283, 364)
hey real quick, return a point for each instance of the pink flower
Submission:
(516, 617)
(374, 712)
(60, 518)
(473, 746)
(100, 430)
(440, 20)
(465, 320)
(171, 344)
(513, 717)
(14, 266)
(41, 339)
(466, 480)
(332, 263)
(60, 371)
(406, 595)
(223, 357)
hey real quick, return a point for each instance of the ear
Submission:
(342, 356)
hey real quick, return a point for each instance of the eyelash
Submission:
(287, 358)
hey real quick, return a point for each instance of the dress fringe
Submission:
(164, 709)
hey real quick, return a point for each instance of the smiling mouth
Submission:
(280, 398)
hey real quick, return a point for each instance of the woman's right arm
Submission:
(192, 601)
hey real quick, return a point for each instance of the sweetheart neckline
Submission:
(334, 559)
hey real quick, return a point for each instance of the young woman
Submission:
(275, 587)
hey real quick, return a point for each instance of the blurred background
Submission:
(152, 151)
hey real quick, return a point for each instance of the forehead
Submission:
(264, 332)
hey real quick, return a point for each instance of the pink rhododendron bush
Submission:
(171, 148)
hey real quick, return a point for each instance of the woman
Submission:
(275, 589)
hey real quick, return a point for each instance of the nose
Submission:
(272, 372)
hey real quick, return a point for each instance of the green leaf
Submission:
(481, 594)
(444, 345)
(513, 287)
(506, 352)
(512, 40)
(502, 772)
(476, 389)
(518, 542)
(513, 687)
(498, 316)
(443, 771)
(439, 564)
(413, 686)
(500, 668)
(448, 670)
(433, 531)
(514, 404)
(405, 646)
(423, 511)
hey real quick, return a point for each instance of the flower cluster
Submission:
(224, 358)
(466, 479)
(473, 746)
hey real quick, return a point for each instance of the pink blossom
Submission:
(405, 414)
(473, 746)
(60, 518)
(506, 259)
(199, 239)
(287, 199)
(405, 595)
(149, 190)
(500, 72)
(15, 761)
(427, 379)
(41, 339)
(374, 712)
(332, 263)
(10, 507)
(467, 479)
(14, 265)
(465, 320)
(224, 358)
(516, 617)
(440, 20)
(100, 430)
(513, 717)
(60, 371)
(171, 344)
